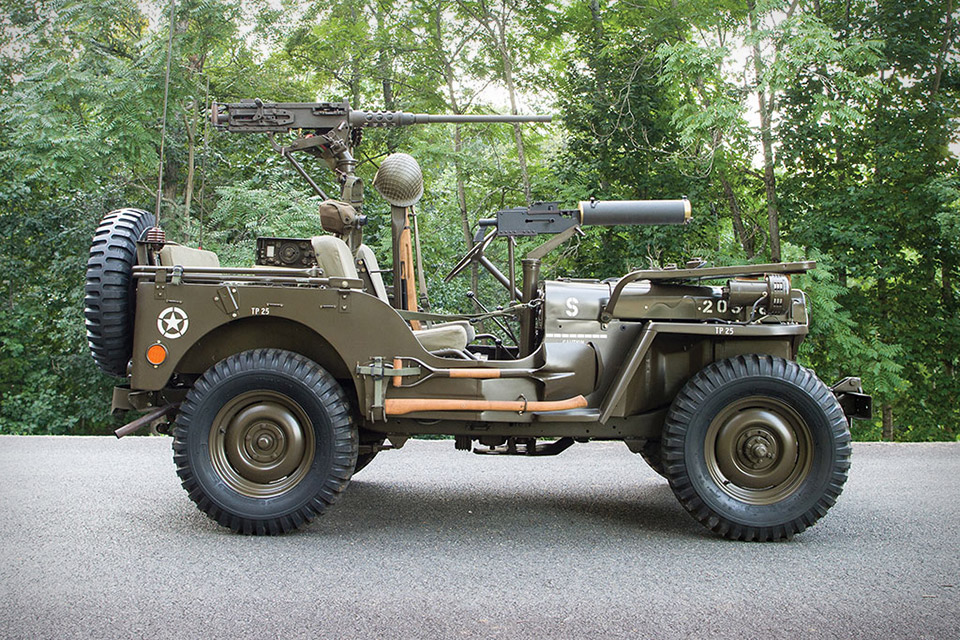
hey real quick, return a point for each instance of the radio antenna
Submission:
(163, 120)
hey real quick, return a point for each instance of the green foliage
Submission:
(245, 212)
(46, 382)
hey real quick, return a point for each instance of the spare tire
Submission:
(109, 291)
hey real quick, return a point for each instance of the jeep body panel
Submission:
(628, 369)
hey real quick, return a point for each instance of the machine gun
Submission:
(330, 131)
(251, 116)
(548, 218)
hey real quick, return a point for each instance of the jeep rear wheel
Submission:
(265, 442)
(756, 448)
(109, 301)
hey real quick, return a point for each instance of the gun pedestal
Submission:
(404, 282)
(528, 332)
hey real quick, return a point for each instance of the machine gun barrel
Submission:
(549, 218)
(257, 116)
(418, 118)
(606, 213)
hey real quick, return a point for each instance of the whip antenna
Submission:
(206, 146)
(163, 120)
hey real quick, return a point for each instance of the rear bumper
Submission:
(855, 403)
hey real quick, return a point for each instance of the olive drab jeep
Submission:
(280, 380)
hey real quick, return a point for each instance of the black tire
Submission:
(109, 290)
(265, 441)
(650, 452)
(756, 448)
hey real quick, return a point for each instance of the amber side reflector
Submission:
(156, 354)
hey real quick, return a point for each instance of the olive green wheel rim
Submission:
(262, 443)
(758, 450)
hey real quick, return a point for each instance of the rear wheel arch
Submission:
(261, 332)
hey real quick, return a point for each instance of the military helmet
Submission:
(399, 180)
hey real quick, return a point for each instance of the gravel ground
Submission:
(100, 541)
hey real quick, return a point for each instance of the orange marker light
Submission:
(156, 354)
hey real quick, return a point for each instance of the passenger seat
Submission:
(335, 259)
(172, 255)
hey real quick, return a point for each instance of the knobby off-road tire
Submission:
(265, 442)
(756, 448)
(109, 290)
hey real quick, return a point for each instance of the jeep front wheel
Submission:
(265, 441)
(756, 448)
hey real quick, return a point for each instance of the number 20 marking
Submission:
(706, 306)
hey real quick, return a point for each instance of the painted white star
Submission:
(173, 322)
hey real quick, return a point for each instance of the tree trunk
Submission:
(384, 68)
(944, 48)
(599, 37)
(448, 75)
(946, 304)
(517, 133)
(462, 204)
(886, 411)
(766, 140)
(597, 22)
(746, 240)
(355, 73)
(498, 38)
(191, 163)
(385, 71)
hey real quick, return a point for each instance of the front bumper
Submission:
(855, 403)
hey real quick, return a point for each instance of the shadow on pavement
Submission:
(370, 506)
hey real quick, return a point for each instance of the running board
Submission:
(572, 415)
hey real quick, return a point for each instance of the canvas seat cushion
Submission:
(172, 255)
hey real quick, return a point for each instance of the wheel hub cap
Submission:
(261, 443)
(758, 449)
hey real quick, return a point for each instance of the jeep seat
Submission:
(335, 259)
(172, 255)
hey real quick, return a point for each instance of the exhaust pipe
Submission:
(143, 421)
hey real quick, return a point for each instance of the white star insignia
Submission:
(173, 322)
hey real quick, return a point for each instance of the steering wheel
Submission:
(473, 254)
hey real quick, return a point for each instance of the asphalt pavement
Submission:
(98, 540)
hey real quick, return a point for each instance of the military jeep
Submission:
(282, 379)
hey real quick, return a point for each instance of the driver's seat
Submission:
(335, 259)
